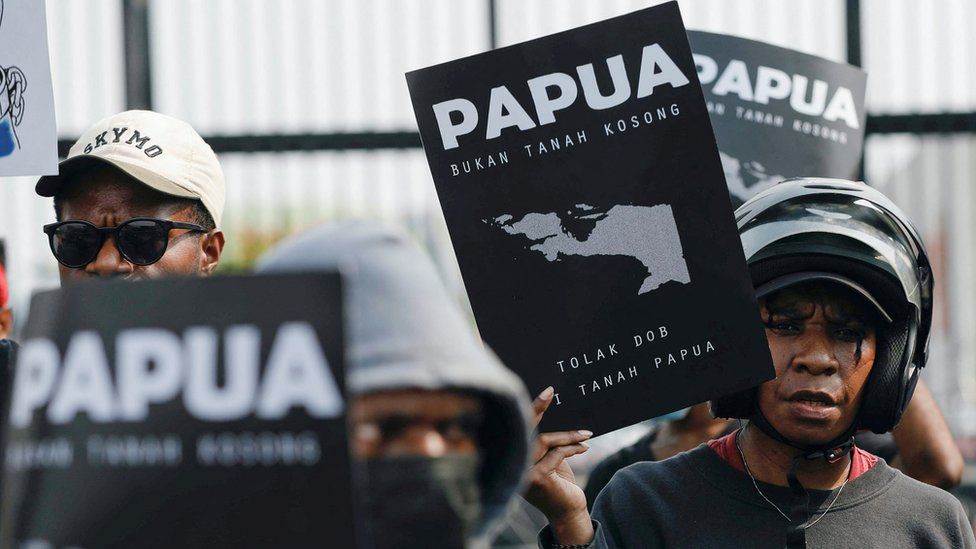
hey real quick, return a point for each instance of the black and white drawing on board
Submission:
(13, 83)
(648, 234)
(28, 139)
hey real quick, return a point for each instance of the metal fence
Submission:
(306, 104)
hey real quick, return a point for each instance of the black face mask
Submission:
(422, 502)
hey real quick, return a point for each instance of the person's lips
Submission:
(817, 405)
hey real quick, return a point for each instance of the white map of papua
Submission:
(746, 179)
(648, 234)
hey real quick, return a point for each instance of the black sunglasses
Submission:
(140, 240)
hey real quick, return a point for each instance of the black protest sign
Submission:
(779, 113)
(586, 203)
(180, 413)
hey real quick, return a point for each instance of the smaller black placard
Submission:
(779, 113)
(180, 413)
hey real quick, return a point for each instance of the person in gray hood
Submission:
(439, 423)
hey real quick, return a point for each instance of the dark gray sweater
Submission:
(697, 500)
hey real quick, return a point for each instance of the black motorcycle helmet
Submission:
(844, 231)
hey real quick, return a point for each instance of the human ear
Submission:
(212, 245)
(6, 322)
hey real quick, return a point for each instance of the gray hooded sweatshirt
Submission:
(404, 332)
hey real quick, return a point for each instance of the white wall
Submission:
(257, 66)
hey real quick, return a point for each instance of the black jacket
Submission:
(8, 350)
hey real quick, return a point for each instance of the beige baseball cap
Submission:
(159, 151)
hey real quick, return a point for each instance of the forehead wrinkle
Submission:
(842, 306)
(845, 313)
(120, 200)
(839, 306)
(792, 308)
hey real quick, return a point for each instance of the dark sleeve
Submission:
(965, 528)
(966, 494)
(604, 471)
(624, 520)
(939, 517)
(621, 518)
(599, 542)
(601, 475)
(8, 352)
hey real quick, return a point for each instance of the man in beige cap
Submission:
(140, 195)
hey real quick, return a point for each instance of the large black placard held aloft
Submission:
(586, 202)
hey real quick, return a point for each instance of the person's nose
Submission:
(816, 354)
(428, 443)
(109, 262)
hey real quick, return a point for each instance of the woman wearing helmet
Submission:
(845, 291)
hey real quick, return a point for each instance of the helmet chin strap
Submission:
(832, 452)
